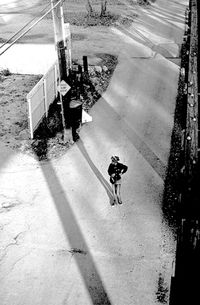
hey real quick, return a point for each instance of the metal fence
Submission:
(41, 96)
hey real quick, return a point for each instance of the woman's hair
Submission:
(115, 158)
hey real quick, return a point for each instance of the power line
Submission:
(35, 23)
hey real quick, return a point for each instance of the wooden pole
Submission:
(58, 22)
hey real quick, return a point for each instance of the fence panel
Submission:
(41, 97)
(51, 86)
(36, 105)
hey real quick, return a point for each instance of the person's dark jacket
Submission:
(117, 169)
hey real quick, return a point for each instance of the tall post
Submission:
(59, 36)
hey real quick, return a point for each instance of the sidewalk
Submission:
(61, 240)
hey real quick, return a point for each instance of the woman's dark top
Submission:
(116, 169)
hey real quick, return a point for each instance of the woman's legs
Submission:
(114, 190)
(118, 193)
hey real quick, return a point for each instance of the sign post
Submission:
(58, 22)
(63, 87)
(68, 45)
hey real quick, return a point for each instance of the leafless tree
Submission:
(89, 8)
(103, 7)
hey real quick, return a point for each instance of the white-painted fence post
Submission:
(30, 117)
(68, 42)
(45, 96)
(55, 80)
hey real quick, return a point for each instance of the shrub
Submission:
(5, 72)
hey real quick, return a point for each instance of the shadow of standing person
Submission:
(95, 170)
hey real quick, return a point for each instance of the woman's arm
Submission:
(123, 168)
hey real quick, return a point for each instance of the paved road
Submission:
(29, 54)
(15, 14)
(61, 240)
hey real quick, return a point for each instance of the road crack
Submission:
(15, 242)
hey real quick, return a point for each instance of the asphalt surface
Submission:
(34, 52)
(61, 240)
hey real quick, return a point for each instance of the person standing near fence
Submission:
(115, 170)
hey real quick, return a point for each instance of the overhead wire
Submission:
(35, 23)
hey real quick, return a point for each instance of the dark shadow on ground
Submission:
(82, 255)
(95, 170)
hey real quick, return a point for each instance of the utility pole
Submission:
(60, 42)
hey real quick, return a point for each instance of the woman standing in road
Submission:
(115, 170)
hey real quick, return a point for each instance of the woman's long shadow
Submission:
(95, 170)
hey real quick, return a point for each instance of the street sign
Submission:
(63, 88)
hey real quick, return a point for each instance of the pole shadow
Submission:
(95, 170)
(79, 248)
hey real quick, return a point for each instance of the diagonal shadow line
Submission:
(160, 13)
(168, 14)
(140, 145)
(157, 48)
(98, 174)
(85, 261)
(176, 2)
(168, 20)
(143, 40)
(144, 150)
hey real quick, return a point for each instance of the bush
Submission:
(5, 72)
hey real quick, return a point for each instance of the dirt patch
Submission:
(14, 110)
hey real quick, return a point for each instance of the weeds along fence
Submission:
(191, 141)
(184, 287)
(41, 97)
